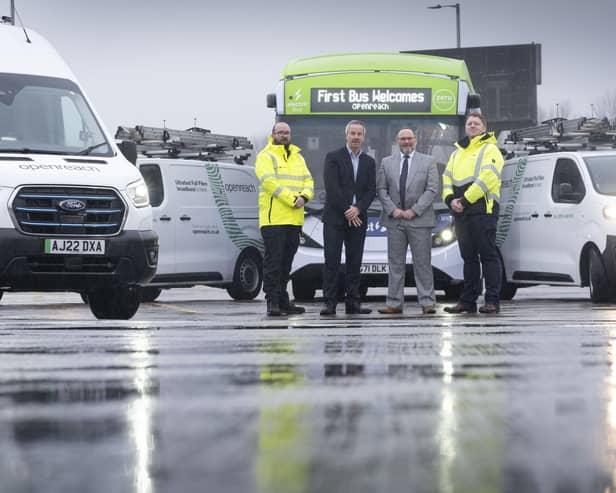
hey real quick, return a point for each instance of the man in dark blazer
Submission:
(407, 183)
(350, 186)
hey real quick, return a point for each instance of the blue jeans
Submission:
(477, 240)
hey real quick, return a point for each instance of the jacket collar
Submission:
(477, 141)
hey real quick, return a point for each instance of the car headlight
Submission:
(138, 193)
(443, 233)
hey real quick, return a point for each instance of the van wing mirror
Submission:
(129, 150)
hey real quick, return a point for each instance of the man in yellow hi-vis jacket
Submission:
(471, 189)
(285, 186)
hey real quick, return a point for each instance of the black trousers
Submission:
(335, 236)
(281, 243)
(477, 240)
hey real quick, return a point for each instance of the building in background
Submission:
(506, 77)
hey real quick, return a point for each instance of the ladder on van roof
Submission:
(193, 143)
(559, 134)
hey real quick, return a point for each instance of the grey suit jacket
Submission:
(421, 189)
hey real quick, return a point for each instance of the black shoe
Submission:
(292, 309)
(461, 308)
(357, 310)
(328, 309)
(273, 309)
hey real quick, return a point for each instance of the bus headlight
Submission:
(444, 237)
(443, 233)
(137, 191)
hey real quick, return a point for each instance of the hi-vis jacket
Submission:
(282, 178)
(473, 173)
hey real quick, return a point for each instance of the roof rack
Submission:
(193, 143)
(559, 134)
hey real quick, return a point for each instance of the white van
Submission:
(74, 213)
(557, 222)
(206, 217)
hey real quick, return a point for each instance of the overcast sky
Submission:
(142, 62)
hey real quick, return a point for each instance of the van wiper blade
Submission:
(88, 150)
(26, 150)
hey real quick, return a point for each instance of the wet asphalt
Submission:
(198, 393)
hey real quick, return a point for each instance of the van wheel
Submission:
(149, 294)
(247, 277)
(600, 290)
(303, 290)
(114, 303)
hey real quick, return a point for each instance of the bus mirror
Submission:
(129, 150)
(271, 100)
(473, 102)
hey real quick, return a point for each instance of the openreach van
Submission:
(74, 213)
(557, 222)
(388, 91)
(204, 209)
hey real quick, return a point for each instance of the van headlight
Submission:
(609, 212)
(443, 233)
(137, 191)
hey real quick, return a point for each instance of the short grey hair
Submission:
(354, 122)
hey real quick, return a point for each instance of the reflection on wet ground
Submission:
(523, 402)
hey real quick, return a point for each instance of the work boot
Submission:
(273, 308)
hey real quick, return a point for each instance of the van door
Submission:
(197, 232)
(156, 178)
(540, 247)
(525, 196)
(563, 235)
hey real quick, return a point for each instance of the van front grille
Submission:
(69, 211)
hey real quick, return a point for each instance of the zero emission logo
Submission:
(444, 100)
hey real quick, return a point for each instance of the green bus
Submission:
(317, 96)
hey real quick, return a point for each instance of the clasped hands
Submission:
(352, 216)
(456, 206)
(400, 214)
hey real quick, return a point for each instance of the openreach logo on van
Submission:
(444, 100)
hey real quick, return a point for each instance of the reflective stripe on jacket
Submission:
(473, 173)
(282, 178)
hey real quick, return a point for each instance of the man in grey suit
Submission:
(406, 185)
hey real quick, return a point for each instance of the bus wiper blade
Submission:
(88, 150)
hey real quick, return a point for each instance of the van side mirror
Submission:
(129, 149)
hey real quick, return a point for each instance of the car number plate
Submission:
(74, 247)
(374, 268)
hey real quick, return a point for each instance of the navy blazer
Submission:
(340, 186)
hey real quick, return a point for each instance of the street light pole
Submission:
(457, 7)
